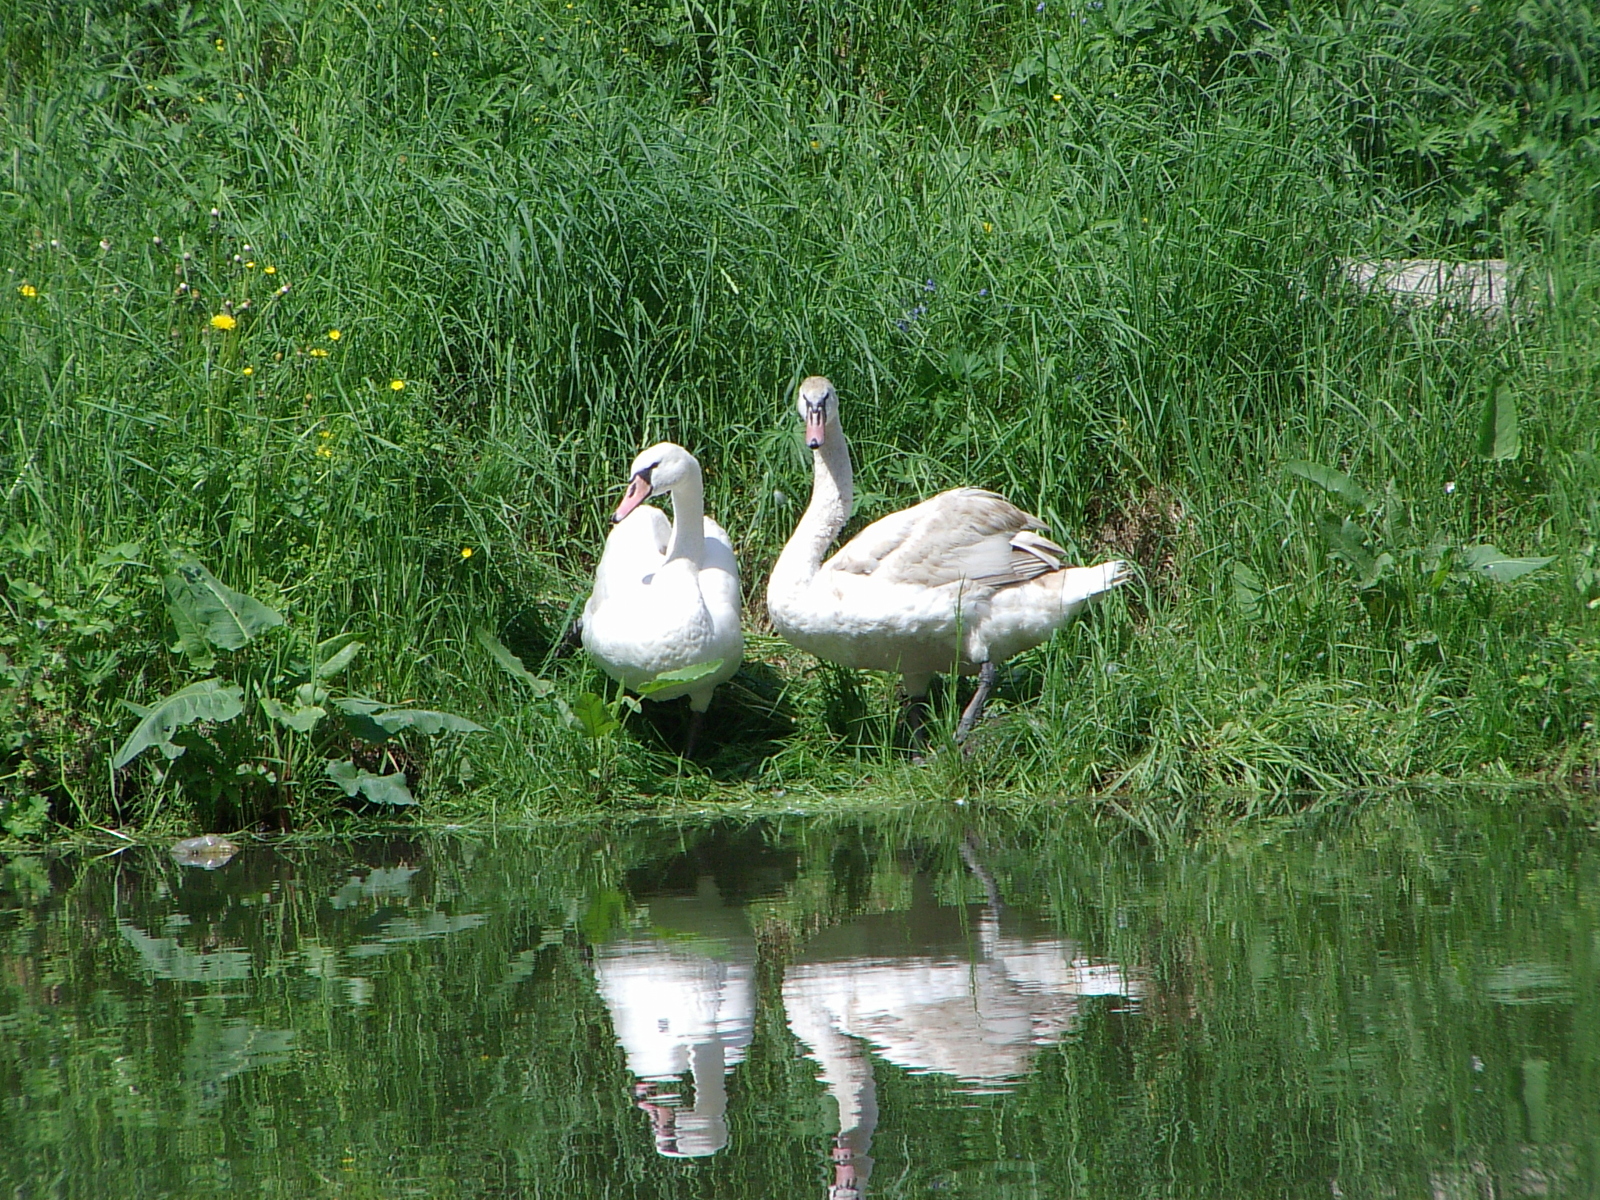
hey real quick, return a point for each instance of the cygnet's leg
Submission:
(916, 711)
(987, 674)
(697, 718)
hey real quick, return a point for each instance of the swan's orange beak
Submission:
(638, 492)
(816, 421)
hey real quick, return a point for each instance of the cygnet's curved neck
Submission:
(832, 496)
(688, 520)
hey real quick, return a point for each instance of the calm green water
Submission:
(1401, 1003)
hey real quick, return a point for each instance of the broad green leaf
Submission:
(25, 817)
(345, 773)
(123, 554)
(302, 719)
(308, 694)
(1027, 70)
(998, 117)
(1491, 564)
(380, 789)
(387, 789)
(208, 700)
(511, 664)
(1345, 541)
(328, 647)
(202, 603)
(393, 720)
(340, 659)
(594, 718)
(682, 675)
(191, 641)
(1248, 591)
(1499, 436)
(1329, 480)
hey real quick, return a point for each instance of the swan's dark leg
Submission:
(572, 637)
(987, 674)
(916, 719)
(696, 720)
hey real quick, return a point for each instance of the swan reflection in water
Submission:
(681, 993)
(966, 992)
(934, 991)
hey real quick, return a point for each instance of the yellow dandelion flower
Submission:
(324, 451)
(269, 270)
(221, 45)
(466, 552)
(28, 290)
(988, 228)
(250, 266)
(334, 335)
(815, 144)
(319, 352)
(396, 385)
(249, 371)
(223, 321)
(325, 432)
(1056, 96)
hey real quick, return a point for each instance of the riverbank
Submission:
(365, 312)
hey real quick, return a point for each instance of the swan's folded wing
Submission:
(635, 548)
(964, 534)
(719, 554)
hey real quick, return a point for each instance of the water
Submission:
(1399, 1003)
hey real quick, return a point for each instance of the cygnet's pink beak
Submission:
(816, 420)
(638, 492)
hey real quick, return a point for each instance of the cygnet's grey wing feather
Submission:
(963, 534)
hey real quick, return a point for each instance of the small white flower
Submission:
(1450, 488)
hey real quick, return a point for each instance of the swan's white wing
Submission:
(719, 587)
(719, 551)
(963, 534)
(635, 547)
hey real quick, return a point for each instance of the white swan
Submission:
(962, 581)
(666, 597)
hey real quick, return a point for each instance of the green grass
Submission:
(574, 231)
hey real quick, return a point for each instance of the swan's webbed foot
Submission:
(987, 674)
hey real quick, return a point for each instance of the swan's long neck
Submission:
(688, 521)
(832, 495)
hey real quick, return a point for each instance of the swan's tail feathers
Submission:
(1079, 585)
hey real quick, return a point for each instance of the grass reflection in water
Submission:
(1396, 1004)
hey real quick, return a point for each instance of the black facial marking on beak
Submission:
(816, 422)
